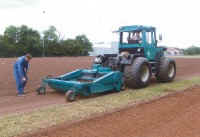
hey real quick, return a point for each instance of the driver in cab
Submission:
(135, 38)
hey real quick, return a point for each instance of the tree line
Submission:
(16, 41)
(193, 50)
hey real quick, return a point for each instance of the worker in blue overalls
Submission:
(21, 67)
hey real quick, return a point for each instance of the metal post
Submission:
(43, 51)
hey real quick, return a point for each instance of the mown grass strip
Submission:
(16, 124)
(186, 56)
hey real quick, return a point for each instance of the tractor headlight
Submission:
(139, 50)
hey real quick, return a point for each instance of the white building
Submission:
(171, 51)
(104, 48)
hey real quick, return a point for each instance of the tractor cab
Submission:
(139, 40)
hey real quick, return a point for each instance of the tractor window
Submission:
(148, 38)
(124, 37)
(131, 37)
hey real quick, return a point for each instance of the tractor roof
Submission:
(135, 28)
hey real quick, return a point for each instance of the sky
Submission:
(177, 20)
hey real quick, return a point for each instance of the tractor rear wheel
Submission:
(166, 70)
(138, 74)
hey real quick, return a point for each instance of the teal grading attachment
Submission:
(84, 82)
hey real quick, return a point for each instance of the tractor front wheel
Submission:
(138, 74)
(70, 96)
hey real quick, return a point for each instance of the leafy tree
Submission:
(17, 41)
(84, 44)
(50, 39)
(11, 35)
(50, 34)
(193, 50)
(20, 40)
(2, 47)
(29, 41)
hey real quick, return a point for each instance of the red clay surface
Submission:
(176, 115)
(41, 67)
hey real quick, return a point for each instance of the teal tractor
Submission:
(138, 59)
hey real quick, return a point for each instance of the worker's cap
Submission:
(29, 56)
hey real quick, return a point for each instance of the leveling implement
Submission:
(139, 58)
(84, 82)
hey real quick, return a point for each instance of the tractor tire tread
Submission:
(132, 75)
(163, 68)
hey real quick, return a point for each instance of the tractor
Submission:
(138, 59)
